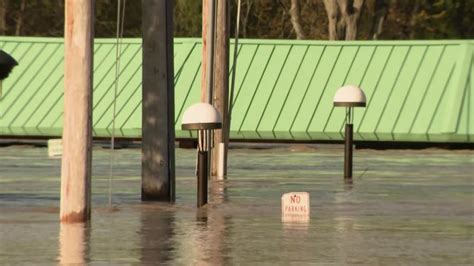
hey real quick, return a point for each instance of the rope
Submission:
(119, 35)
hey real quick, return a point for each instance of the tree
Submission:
(266, 19)
(378, 10)
(295, 19)
(343, 16)
(3, 16)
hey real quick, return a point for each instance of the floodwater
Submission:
(403, 207)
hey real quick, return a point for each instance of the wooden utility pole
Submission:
(204, 63)
(77, 133)
(221, 89)
(158, 164)
(208, 51)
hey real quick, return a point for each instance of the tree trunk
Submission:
(295, 19)
(245, 18)
(333, 14)
(350, 11)
(414, 19)
(19, 22)
(3, 16)
(380, 9)
(341, 28)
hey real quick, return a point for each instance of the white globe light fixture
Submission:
(202, 117)
(349, 96)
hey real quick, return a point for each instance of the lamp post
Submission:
(349, 96)
(202, 117)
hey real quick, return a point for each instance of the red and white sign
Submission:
(295, 207)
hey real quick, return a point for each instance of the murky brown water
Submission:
(404, 207)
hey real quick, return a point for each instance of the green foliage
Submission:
(187, 17)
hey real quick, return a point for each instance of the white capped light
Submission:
(350, 96)
(201, 116)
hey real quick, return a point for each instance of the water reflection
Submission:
(344, 220)
(218, 192)
(344, 224)
(74, 242)
(157, 233)
(348, 184)
(211, 231)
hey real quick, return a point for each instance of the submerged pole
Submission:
(221, 90)
(73, 243)
(158, 165)
(77, 132)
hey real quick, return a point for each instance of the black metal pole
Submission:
(348, 152)
(203, 173)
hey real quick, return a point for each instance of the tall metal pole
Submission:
(158, 159)
(77, 129)
(221, 90)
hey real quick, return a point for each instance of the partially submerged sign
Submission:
(55, 148)
(295, 207)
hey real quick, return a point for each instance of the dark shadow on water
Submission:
(348, 184)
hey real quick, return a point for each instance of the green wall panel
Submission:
(416, 90)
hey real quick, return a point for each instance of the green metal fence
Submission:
(416, 90)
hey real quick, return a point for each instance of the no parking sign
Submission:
(295, 207)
